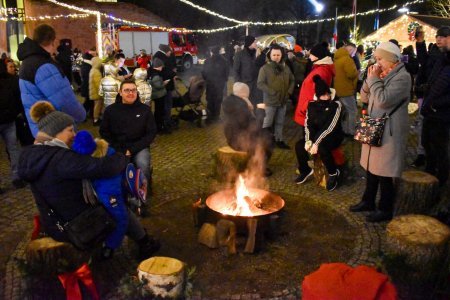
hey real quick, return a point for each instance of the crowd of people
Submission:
(40, 104)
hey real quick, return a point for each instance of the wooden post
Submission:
(252, 224)
(164, 275)
(229, 162)
(208, 236)
(418, 193)
(226, 235)
(416, 247)
(320, 172)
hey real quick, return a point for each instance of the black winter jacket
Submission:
(244, 66)
(323, 122)
(436, 103)
(55, 174)
(215, 70)
(128, 126)
(10, 103)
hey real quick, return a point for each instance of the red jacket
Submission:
(143, 61)
(307, 91)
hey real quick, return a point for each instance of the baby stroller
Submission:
(187, 101)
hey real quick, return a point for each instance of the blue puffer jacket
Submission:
(42, 79)
(112, 195)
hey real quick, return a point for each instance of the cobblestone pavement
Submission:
(188, 150)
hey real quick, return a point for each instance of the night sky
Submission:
(269, 10)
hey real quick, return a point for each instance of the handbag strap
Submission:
(397, 107)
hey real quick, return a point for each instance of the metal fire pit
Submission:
(261, 220)
(261, 202)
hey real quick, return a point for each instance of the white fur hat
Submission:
(392, 49)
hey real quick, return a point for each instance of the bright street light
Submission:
(318, 6)
(403, 10)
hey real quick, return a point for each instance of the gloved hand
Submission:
(313, 150)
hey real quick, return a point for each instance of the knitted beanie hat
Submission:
(241, 90)
(248, 40)
(388, 51)
(319, 51)
(49, 120)
(321, 86)
(84, 143)
(164, 48)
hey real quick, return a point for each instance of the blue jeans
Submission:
(8, 133)
(349, 114)
(142, 160)
(275, 119)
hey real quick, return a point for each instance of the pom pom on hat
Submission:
(49, 120)
(321, 87)
(40, 109)
(84, 143)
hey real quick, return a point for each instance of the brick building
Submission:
(82, 32)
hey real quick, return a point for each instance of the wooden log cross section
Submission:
(420, 243)
(418, 193)
(164, 275)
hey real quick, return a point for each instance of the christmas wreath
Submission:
(412, 27)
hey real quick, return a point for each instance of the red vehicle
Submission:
(132, 39)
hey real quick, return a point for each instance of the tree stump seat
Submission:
(229, 162)
(418, 193)
(164, 276)
(416, 248)
(320, 172)
(50, 256)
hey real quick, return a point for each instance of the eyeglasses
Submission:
(129, 91)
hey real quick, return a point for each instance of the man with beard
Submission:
(277, 83)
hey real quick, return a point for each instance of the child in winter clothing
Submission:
(109, 190)
(95, 77)
(159, 93)
(109, 85)
(323, 132)
(144, 89)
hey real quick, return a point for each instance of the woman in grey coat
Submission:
(387, 86)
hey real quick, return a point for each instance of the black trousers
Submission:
(325, 148)
(160, 113)
(435, 136)
(387, 191)
(214, 98)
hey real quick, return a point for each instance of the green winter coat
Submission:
(277, 83)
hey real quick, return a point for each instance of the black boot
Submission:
(148, 245)
(362, 206)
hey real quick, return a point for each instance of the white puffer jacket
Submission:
(144, 89)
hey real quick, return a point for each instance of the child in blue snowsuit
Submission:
(110, 191)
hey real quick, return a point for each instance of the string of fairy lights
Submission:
(6, 12)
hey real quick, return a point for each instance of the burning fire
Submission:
(243, 202)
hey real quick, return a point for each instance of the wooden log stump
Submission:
(416, 247)
(208, 236)
(164, 276)
(229, 163)
(226, 235)
(52, 257)
(418, 193)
